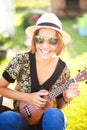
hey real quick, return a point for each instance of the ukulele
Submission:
(33, 115)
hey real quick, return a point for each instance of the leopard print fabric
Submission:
(19, 69)
(64, 77)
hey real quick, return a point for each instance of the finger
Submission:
(43, 93)
(42, 101)
(74, 87)
(40, 105)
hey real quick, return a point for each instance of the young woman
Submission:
(38, 73)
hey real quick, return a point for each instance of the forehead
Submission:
(47, 31)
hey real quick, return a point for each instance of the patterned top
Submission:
(22, 68)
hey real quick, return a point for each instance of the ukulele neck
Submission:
(56, 92)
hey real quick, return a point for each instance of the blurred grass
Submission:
(75, 55)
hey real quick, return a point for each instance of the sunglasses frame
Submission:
(41, 40)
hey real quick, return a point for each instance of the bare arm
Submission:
(32, 98)
(9, 93)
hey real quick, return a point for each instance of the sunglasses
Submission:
(51, 41)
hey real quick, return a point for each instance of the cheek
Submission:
(37, 46)
(55, 48)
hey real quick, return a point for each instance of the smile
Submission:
(45, 51)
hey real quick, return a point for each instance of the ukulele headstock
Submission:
(82, 75)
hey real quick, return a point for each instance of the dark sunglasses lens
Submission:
(39, 39)
(53, 41)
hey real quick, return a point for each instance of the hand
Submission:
(72, 91)
(37, 100)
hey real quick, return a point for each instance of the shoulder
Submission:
(18, 61)
(64, 62)
(66, 70)
(22, 55)
(20, 58)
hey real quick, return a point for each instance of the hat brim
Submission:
(66, 37)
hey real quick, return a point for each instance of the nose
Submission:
(45, 43)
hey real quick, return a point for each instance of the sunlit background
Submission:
(16, 15)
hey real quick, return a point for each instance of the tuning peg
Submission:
(79, 70)
(86, 82)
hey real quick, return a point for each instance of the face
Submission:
(46, 43)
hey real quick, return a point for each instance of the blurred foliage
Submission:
(82, 21)
(30, 19)
(34, 4)
(4, 40)
(3, 50)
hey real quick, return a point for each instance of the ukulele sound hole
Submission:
(26, 109)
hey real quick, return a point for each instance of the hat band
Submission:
(49, 24)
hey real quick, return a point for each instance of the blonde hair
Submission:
(61, 45)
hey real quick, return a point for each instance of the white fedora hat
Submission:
(49, 20)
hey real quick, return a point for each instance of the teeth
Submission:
(45, 51)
